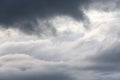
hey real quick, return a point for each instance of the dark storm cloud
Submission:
(106, 60)
(23, 14)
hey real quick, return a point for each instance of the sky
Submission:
(59, 39)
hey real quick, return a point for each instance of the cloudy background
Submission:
(59, 40)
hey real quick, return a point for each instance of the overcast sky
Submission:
(59, 39)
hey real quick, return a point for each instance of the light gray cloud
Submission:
(26, 67)
(105, 5)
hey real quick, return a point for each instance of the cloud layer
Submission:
(76, 53)
(24, 14)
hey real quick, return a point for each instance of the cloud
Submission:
(41, 49)
(110, 55)
(24, 14)
(107, 60)
(75, 54)
(26, 67)
(105, 5)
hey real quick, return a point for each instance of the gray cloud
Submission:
(49, 76)
(110, 55)
(28, 68)
(24, 14)
(106, 60)
(54, 59)
(105, 5)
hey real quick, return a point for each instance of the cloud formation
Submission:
(107, 60)
(74, 54)
(29, 68)
(24, 14)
